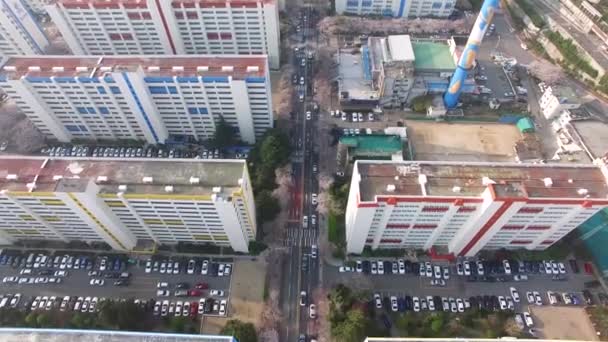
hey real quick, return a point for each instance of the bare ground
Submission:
(18, 131)
(563, 323)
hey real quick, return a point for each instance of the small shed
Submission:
(525, 125)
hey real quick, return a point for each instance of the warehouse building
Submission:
(397, 8)
(464, 208)
(126, 203)
(139, 97)
(153, 27)
(19, 32)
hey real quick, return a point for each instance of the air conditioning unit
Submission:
(195, 180)
(11, 176)
(122, 188)
(253, 69)
(102, 179)
(147, 180)
(228, 68)
(169, 188)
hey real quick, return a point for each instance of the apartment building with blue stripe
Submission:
(397, 8)
(20, 33)
(141, 98)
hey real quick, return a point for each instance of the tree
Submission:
(31, 320)
(224, 135)
(244, 332)
(43, 320)
(274, 151)
(437, 325)
(178, 324)
(268, 206)
(352, 328)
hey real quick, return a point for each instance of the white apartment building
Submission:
(557, 99)
(142, 98)
(153, 27)
(466, 207)
(20, 34)
(124, 202)
(397, 8)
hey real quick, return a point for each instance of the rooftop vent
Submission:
(82, 69)
(253, 68)
(169, 188)
(240, 181)
(228, 68)
(456, 189)
(487, 181)
(548, 182)
(30, 186)
(33, 68)
(147, 180)
(195, 180)
(58, 69)
(153, 68)
(422, 178)
(217, 189)
(102, 179)
(391, 188)
(582, 191)
(397, 178)
(570, 181)
(11, 176)
(122, 188)
(57, 177)
(178, 68)
(105, 68)
(202, 68)
(10, 68)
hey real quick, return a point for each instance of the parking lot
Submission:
(116, 278)
(490, 290)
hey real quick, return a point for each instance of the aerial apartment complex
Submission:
(125, 202)
(462, 208)
(20, 34)
(141, 97)
(397, 8)
(177, 27)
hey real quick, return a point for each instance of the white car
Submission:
(370, 116)
(538, 299)
(459, 305)
(218, 293)
(227, 269)
(416, 304)
(530, 297)
(561, 267)
(431, 303)
(314, 251)
(313, 199)
(97, 282)
(205, 267)
(437, 270)
(222, 310)
(308, 115)
(360, 116)
(312, 311)
(502, 302)
(429, 269)
(61, 273)
(401, 266)
(186, 309)
(507, 266)
(148, 266)
(85, 305)
(552, 297)
(93, 304)
(64, 303)
(201, 306)
(394, 306)
(175, 268)
(467, 268)
(220, 270)
(344, 117)
(78, 304)
(480, 269)
(164, 308)
(163, 267)
(567, 299)
(378, 301)
(345, 269)
(50, 303)
(15, 300)
(178, 308)
(446, 273)
(191, 266)
(514, 294)
(355, 117)
(374, 268)
(528, 319)
(162, 285)
(380, 267)
(359, 266)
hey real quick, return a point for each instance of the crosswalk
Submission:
(296, 236)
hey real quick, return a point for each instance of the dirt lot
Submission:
(563, 323)
(462, 141)
(246, 296)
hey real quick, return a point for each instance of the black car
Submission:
(409, 303)
(473, 302)
(386, 303)
(495, 303)
(415, 268)
(213, 269)
(574, 266)
(366, 266)
(122, 282)
(112, 275)
(182, 285)
(386, 321)
(388, 267)
(401, 304)
(45, 272)
(603, 298)
(588, 297)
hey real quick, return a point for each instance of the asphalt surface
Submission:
(142, 285)
(457, 286)
(301, 271)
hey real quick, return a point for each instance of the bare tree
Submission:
(546, 71)
(330, 26)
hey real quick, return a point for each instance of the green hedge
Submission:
(530, 11)
(571, 53)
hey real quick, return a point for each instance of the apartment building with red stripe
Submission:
(176, 27)
(461, 208)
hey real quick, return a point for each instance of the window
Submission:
(158, 90)
(104, 110)
(115, 90)
(101, 90)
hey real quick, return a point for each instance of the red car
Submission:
(588, 268)
(195, 293)
(193, 309)
(202, 286)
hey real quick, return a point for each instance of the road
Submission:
(301, 271)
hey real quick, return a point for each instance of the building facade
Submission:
(153, 27)
(463, 208)
(397, 8)
(141, 98)
(19, 32)
(126, 202)
(557, 99)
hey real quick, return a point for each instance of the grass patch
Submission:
(336, 230)
(571, 54)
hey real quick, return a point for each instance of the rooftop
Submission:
(82, 66)
(454, 179)
(139, 3)
(564, 92)
(400, 48)
(373, 144)
(352, 77)
(74, 174)
(65, 335)
(432, 56)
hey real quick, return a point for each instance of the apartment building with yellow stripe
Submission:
(126, 202)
